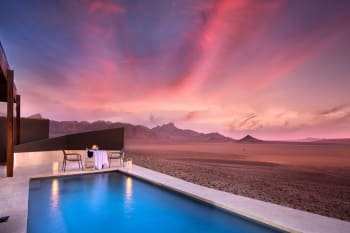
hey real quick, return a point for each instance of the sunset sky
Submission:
(273, 69)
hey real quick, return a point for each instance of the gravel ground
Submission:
(321, 191)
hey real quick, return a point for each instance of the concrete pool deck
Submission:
(14, 197)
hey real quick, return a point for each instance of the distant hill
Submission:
(324, 140)
(334, 141)
(309, 139)
(249, 139)
(137, 133)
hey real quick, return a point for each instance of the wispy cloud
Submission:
(153, 119)
(195, 115)
(246, 120)
(335, 109)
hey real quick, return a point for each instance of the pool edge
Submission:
(241, 214)
(213, 203)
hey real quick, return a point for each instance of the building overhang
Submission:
(4, 69)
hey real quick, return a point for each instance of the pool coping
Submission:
(294, 221)
(276, 216)
(240, 214)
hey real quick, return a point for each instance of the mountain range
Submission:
(137, 133)
(166, 133)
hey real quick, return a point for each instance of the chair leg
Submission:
(122, 157)
(110, 160)
(64, 165)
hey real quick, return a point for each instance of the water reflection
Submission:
(54, 193)
(128, 195)
(99, 192)
(128, 189)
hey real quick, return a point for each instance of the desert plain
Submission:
(313, 177)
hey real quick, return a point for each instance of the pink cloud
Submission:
(232, 27)
(105, 7)
(284, 124)
(217, 73)
(275, 60)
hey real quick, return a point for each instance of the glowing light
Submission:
(54, 193)
(129, 165)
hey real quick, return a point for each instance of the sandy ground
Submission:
(314, 178)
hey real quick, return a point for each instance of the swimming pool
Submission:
(114, 202)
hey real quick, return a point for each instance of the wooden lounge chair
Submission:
(71, 157)
(118, 154)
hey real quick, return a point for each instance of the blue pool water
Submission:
(114, 202)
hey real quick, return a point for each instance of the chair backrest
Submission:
(115, 153)
(66, 154)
